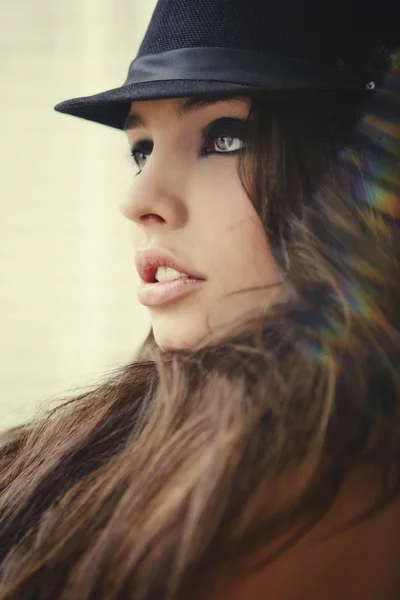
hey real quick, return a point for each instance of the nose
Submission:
(156, 198)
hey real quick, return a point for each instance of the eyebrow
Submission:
(134, 120)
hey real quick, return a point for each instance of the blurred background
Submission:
(68, 306)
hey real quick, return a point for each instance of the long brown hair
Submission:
(182, 465)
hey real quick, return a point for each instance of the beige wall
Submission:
(68, 307)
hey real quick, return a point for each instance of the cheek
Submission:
(254, 261)
(233, 226)
(220, 196)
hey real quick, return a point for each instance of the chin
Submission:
(173, 341)
(183, 328)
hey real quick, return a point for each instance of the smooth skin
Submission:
(194, 205)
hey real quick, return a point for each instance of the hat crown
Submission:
(341, 34)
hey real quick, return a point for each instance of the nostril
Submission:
(151, 217)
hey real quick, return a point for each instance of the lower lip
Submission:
(154, 294)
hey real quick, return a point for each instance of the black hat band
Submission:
(258, 69)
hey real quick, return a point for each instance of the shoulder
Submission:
(317, 566)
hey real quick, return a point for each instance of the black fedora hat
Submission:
(252, 47)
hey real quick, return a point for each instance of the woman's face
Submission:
(187, 202)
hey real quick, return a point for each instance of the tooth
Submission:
(169, 274)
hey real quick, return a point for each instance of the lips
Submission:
(164, 293)
(148, 261)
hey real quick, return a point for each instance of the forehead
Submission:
(181, 107)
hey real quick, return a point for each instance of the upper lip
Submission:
(148, 261)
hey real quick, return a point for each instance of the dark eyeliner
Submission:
(145, 146)
(233, 127)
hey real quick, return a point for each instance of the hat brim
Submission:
(112, 107)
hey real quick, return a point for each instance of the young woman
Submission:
(252, 451)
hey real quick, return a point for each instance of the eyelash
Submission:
(142, 147)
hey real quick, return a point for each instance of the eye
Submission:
(225, 136)
(140, 153)
(140, 158)
(224, 144)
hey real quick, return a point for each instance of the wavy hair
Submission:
(182, 466)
